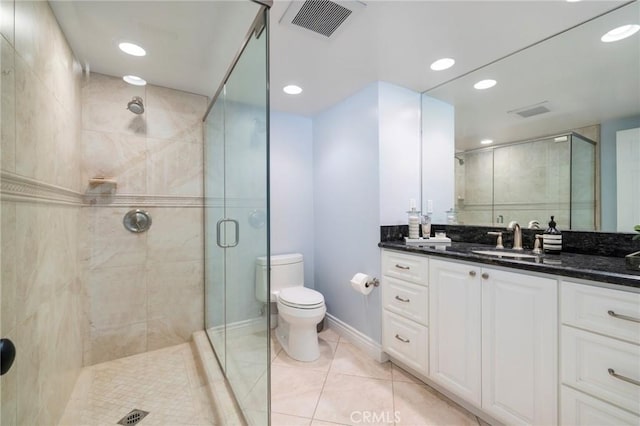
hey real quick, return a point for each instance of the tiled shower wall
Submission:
(43, 300)
(145, 290)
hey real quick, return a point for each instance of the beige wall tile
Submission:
(115, 155)
(8, 98)
(8, 265)
(175, 308)
(9, 389)
(6, 19)
(117, 342)
(173, 114)
(117, 296)
(176, 234)
(104, 102)
(174, 167)
(110, 243)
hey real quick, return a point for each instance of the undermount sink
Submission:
(499, 253)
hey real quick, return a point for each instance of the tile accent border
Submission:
(14, 187)
(18, 188)
(369, 346)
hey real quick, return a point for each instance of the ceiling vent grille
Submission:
(322, 17)
(531, 110)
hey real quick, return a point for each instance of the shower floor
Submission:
(172, 384)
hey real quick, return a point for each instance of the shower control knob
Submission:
(137, 221)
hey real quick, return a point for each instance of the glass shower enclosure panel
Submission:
(236, 226)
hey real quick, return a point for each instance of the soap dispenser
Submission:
(552, 239)
(414, 220)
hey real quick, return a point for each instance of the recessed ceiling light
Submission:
(486, 141)
(132, 49)
(292, 89)
(620, 33)
(573, 1)
(484, 84)
(442, 64)
(135, 80)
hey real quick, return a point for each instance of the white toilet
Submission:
(300, 309)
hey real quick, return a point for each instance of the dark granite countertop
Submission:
(604, 269)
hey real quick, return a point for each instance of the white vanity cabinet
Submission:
(493, 340)
(600, 355)
(455, 317)
(405, 308)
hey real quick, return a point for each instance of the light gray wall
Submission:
(346, 205)
(335, 179)
(608, 187)
(399, 139)
(291, 187)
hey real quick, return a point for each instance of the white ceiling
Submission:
(191, 44)
(396, 41)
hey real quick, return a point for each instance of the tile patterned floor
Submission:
(168, 383)
(343, 387)
(346, 387)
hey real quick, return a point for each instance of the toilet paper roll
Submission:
(359, 283)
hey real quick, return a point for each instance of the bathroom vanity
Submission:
(544, 340)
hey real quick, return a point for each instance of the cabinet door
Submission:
(519, 348)
(580, 409)
(454, 322)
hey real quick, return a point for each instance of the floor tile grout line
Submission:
(326, 376)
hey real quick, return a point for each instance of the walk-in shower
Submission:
(118, 199)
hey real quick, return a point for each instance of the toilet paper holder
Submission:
(374, 282)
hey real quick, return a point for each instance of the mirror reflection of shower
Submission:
(460, 159)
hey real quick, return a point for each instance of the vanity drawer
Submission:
(405, 340)
(405, 266)
(586, 362)
(580, 409)
(406, 299)
(588, 307)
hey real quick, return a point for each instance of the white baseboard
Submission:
(362, 341)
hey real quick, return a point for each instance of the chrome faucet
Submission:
(517, 234)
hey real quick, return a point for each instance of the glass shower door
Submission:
(236, 226)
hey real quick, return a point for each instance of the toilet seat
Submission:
(301, 298)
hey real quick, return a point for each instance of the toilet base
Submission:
(300, 343)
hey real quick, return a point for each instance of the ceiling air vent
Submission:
(320, 16)
(531, 110)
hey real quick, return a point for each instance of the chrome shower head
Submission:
(460, 160)
(135, 105)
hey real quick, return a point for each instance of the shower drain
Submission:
(133, 417)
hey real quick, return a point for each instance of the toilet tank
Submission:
(287, 270)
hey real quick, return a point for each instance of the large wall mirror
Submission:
(564, 118)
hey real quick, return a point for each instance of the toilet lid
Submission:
(301, 296)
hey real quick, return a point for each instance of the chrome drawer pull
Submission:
(401, 339)
(402, 267)
(624, 317)
(402, 300)
(613, 373)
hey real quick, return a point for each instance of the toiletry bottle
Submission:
(426, 226)
(552, 239)
(414, 220)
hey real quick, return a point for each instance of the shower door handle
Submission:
(218, 233)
